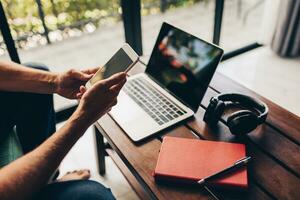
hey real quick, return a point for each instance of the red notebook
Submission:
(189, 160)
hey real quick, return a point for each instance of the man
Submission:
(27, 177)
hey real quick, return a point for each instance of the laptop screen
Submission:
(184, 64)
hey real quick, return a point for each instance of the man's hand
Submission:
(68, 83)
(99, 99)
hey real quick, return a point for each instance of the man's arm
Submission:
(18, 78)
(24, 177)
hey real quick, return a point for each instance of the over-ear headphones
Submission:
(240, 122)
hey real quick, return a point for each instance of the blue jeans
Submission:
(75, 190)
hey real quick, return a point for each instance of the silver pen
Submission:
(238, 164)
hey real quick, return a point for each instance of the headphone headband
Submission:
(247, 101)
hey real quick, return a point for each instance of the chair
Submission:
(10, 148)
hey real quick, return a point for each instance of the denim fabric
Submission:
(75, 190)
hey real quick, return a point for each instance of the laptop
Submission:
(172, 87)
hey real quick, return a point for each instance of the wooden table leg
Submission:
(100, 150)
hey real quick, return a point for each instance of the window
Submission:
(82, 34)
(194, 16)
(3, 49)
(241, 23)
(86, 33)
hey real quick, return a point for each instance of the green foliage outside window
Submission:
(66, 15)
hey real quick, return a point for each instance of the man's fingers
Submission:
(116, 88)
(79, 95)
(90, 71)
(114, 79)
(80, 75)
(81, 92)
(82, 89)
(112, 103)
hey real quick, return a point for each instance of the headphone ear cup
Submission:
(218, 112)
(209, 112)
(242, 122)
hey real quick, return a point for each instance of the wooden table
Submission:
(274, 172)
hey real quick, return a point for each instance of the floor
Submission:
(260, 70)
(83, 156)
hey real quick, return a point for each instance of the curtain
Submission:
(269, 21)
(286, 38)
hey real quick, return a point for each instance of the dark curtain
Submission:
(286, 39)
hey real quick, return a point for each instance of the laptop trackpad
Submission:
(132, 119)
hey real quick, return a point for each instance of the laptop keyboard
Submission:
(159, 108)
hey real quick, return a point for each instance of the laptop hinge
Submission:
(170, 92)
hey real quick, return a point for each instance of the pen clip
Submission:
(244, 159)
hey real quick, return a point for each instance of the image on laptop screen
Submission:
(183, 63)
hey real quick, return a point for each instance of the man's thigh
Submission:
(75, 190)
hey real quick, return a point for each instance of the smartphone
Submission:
(122, 61)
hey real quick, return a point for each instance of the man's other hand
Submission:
(68, 84)
(99, 99)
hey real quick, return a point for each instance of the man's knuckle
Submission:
(115, 93)
(104, 84)
(101, 86)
